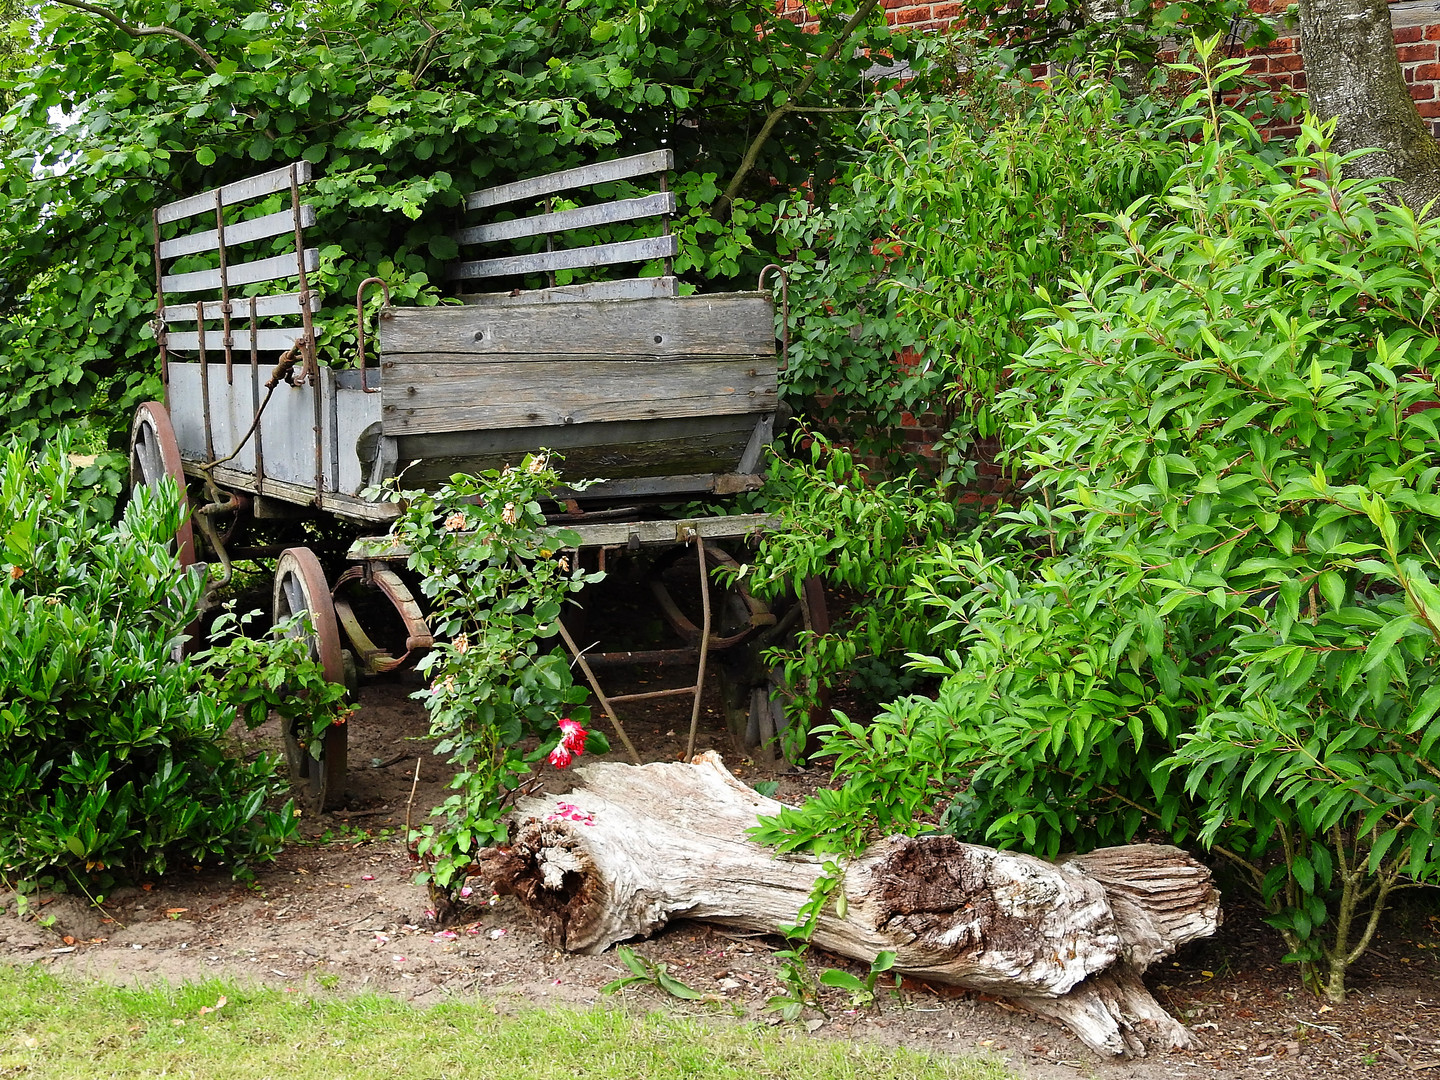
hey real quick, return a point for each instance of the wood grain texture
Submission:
(419, 397)
(651, 288)
(265, 307)
(611, 534)
(242, 232)
(266, 339)
(669, 840)
(621, 251)
(601, 172)
(581, 217)
(634, 457)
(252, 187)
(275, 268)
(717, 324)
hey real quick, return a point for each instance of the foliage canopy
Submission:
(403, 108)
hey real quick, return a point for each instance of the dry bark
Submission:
(1352, 74)
(635, 846)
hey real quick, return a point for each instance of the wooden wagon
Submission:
(665, 396)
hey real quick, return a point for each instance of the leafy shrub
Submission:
(1219, 618)
(402, 108)
(115, 764)
(865, 537)
(958, 205)
(500, 700)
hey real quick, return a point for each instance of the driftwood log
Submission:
(635, 846)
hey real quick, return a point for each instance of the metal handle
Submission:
(360, 326)
(784, 308)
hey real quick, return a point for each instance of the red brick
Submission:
(1422, 91)
(1428, 108)
(1414, 54)
(1426, 72)
(1259, 65)
(1288, 62)
(1406, 34)
(910, 16)
(948, 12)
(1431, 32)
(1297, 81)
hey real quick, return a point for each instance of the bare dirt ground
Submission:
(340, 912)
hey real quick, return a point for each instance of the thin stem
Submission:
(146, 31)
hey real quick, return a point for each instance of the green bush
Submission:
(958, 205)
(402, 107)
(1219, 618)
(115, 765)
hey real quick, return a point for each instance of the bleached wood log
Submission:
(635, 846)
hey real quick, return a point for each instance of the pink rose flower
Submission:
(572, 736)
(561, 757)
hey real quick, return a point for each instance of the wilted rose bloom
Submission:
(455, 522)
(564, 564)
(462, 644)
(572, 736)
(509, 514)
(561, 757)
(537, 464)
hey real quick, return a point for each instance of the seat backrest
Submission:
(231, 294)
(550, 226)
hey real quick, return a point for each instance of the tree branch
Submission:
(146, 31)
(752, 152)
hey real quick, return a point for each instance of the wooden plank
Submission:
(265, 307)
(267, 339)
(649, 288)
(622, 251)
(424, 398)
(711, 324)
(581, 217)
(345, 506)
(611, 534)
(274, 268)
(252, 187)
(690, 451)
(242, 232)
(653, 443)
(601, 172)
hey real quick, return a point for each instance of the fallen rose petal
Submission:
(465, 892)
(398, 959)
(367, 877)
(496, 934)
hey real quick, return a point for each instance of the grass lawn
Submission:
(61, 1029)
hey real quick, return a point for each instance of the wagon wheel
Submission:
(300, 588)
(155, 454)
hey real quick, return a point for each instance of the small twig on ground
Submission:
(409, 805)
(95, 903)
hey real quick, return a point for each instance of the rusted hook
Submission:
(360, 326)
(784, 308)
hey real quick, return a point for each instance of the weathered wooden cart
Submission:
(665, 396)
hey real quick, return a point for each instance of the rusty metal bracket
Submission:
(784, 308)
(360, 327)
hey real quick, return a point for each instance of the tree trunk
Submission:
(1352, 74)
(634, 847)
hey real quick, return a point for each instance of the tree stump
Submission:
(635, 846)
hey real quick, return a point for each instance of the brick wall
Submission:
(1417, 37)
